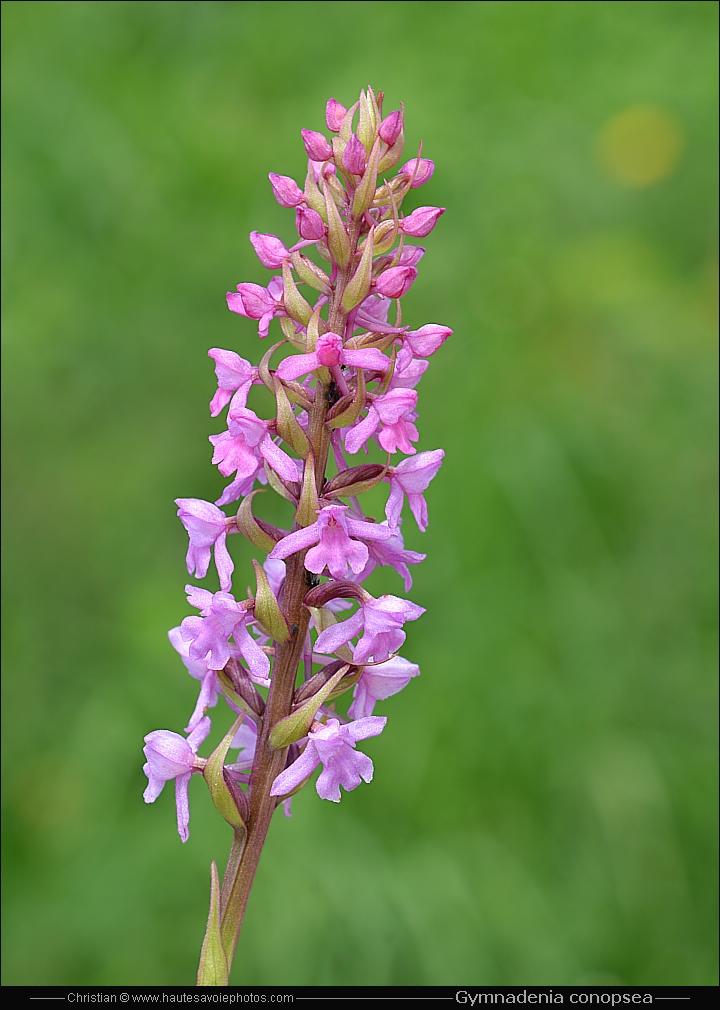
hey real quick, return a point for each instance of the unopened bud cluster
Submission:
(343, 374)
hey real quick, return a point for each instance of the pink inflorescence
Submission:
(343, 375)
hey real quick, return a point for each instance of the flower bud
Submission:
(329, 349)
(419, 170)
(309, 224)
(354, 157)
(334, 115)
(251, 301)
(411, 255)
(396, 281)
(421, 222)
(390, 128)
(269, 249)
(316, 145)
(285, 190)
(427, 339)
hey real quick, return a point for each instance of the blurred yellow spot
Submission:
(640, 145)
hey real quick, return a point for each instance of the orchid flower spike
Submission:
(293, 666)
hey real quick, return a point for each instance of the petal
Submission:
(368, 531)
(269, 249)
(183, 806)
(415, 474)
(211, 644)
(241, 486)
(251, 652)
(408, 371)
(239, 398)
(346, 769)
(197, 560)
(393, 508)
(379, 645)
(195, 668)
(201, 599)
(427, 339)
(232, 453)
(231, 370)
(369, 358)
(298, 771)
(235, 303)
(360, 433)
(219, 401)
(206, 699)
(398, 436)
(278, 459)
(296, 541)
(392, 608)
(223, 563)
(334, 115)
(155, 785)
(396, 404)
(380, 682)
(199, 734)
(299, 364)
(338, 634)
(418, 507)
(363, 703)
(168, 754)
(337, 551)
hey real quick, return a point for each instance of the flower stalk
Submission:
(346, 381)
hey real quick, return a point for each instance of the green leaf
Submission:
(222, 798)
(213, 968)
(267, 608)
(296, 725)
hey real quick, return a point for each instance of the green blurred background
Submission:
(543, 804)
